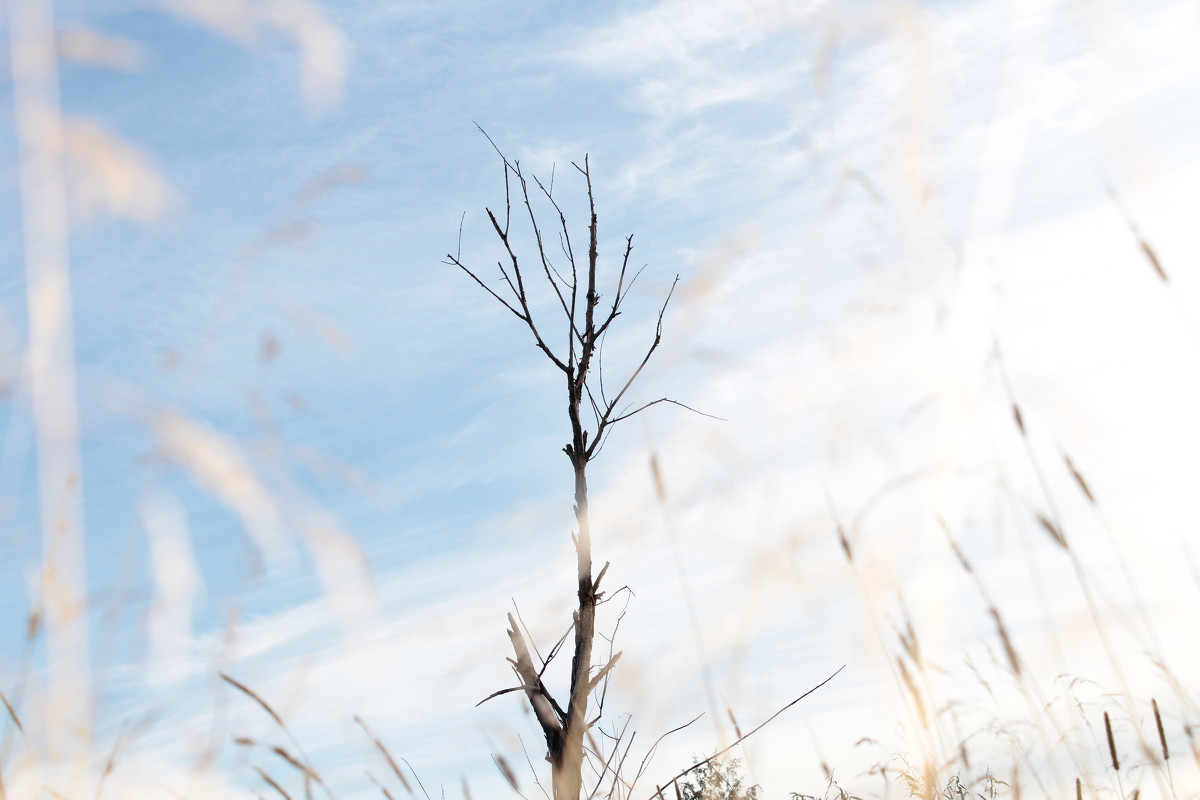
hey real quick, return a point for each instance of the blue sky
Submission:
(860, 199)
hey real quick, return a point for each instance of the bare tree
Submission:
(592, 411)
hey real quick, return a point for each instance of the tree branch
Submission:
(620, 284)
(615, 420)
(508, 691)
(554, 650)
(455, 262)
(548, 714)
(605, 420)
(541, 247)
(612, 662)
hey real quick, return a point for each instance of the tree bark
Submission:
(568, 773)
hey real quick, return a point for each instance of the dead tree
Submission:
(592, 411)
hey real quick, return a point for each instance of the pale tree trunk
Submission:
(568, 776)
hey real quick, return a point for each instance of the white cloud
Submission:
(837, 378)
(679, 31)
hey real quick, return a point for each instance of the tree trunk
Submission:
(568, 772)
(565, 730)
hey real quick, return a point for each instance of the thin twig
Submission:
(532, 771)
(762, 725)
(605, 421)
(650, 753)
(508, 691)
(640, 409)
(608, 761)
(415, 775)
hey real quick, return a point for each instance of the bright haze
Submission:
(935, 331)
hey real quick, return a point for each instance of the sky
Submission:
(316, 458)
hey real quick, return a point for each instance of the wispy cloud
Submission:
(848, 339)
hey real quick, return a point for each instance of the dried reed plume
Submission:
(386, 754)
(1112, 746)
(301, 763)
(272, 783)
(507, 771)
(1162, 737)
(380, 786)
(246, 690)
